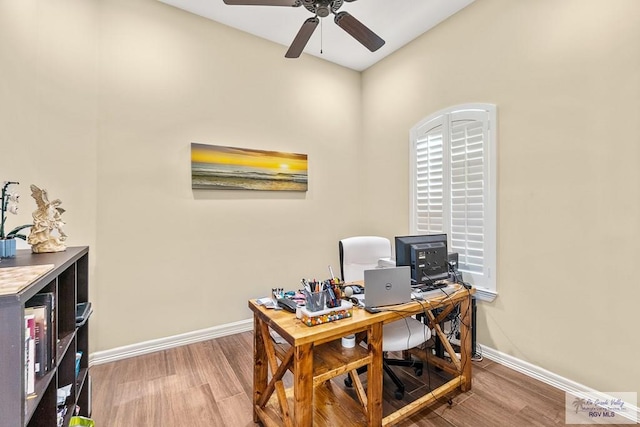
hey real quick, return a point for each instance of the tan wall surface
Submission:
(100, 102)
(48, 135)
(565, 76)
(184, 260)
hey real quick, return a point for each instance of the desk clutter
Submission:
(318, 317)
(314, 304)
(319, 295)
(314, 355)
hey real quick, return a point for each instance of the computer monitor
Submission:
(426, 255)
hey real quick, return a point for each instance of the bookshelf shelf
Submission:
(63, 346)
(65, 282)
(41, 385)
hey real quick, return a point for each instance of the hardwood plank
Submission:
(103, 384)
(214, 366)
(179, 360)
(235, 349)
(538, 387)
(211, 384)
(412, 408)
(332, 407)
(234, 411)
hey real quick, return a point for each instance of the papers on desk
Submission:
(277, 338)
(266, 302)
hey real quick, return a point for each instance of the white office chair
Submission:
(361, 253)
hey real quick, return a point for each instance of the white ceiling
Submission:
(396, 21)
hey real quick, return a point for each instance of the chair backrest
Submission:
(361, 253)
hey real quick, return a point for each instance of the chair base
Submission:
(386, 365)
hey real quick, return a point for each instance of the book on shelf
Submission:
(47, 351)
(83, 311)
(41, 331)
(29, 351)
(78, 360)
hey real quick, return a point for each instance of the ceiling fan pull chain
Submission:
(321, 37)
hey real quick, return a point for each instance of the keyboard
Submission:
(430, 286)
(433, 293)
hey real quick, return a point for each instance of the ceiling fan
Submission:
(321, 9)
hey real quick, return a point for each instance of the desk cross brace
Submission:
(277, 374)
(434, 323)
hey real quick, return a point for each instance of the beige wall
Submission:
(179, 260)
(48, 135)
(565, 76)
(99, 102)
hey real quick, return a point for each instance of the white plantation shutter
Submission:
(467, 147)
(453, 186)
(430, 181)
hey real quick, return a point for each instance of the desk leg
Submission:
(374, 376)
(465, 342)
(260, 367)
(303, 385)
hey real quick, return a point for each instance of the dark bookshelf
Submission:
(69, 282)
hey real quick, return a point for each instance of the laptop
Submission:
(387, 286)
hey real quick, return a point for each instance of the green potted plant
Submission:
(9, 203)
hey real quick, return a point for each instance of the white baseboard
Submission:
(147, 347)
(552, 379)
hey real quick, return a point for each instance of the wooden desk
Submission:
(315, 354)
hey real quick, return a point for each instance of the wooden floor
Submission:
(210, 384)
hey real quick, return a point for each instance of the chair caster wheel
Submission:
(399, 394)
(348, 382)
(450, 402)
(418, 372)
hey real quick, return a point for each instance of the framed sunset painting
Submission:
(216, 167)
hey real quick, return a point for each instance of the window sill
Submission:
(484, 294)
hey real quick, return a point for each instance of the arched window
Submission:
(453, 187)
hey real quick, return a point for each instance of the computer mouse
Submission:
(352, 289)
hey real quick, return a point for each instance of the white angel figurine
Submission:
(46, 220)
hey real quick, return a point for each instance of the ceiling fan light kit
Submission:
(320, 9)
(323, 10)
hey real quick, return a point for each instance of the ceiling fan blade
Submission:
(302, 37)
(293, 3)
(359, 31)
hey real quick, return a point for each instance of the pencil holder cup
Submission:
(333, 296)
(316, 300)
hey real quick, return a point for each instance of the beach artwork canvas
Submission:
(216, 167)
